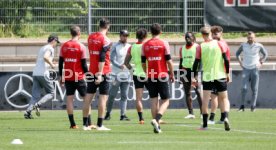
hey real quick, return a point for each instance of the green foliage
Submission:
(35, 17)
(6, 30)
(29, 30)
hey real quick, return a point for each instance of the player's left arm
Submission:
(197, 62)
(170, 65)
(83, 59)
(264, 53)
(128, 59)
(144, 60)
(60, 66)
(224, 50)
(102, 56)
(47, 58)
(180, 59)
(169, 61)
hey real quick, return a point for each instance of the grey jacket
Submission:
(117, 56)
(251, 54)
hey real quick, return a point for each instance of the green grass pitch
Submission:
(249, 131)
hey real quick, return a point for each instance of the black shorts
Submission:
(140, 82)
(186, 75)
(214, 91)
(160, 87)
(103, 86)
(218, 85)
(72, 86)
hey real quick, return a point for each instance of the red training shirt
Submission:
(96, 42)
(155, 51)
(72, 52)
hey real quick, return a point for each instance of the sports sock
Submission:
(85, 121)
(100, 122)
(222, 117)
(71, 119)
(205, 120)
(191, 111)
(140, 114)
(226, 115)
(107, 114)
(212, 116)
(89, 120)
(158, 117)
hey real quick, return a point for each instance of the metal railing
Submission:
(174, 15)
(47, 16)
(132, 14)
(195, 15)
(43, 16)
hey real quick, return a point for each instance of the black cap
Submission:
(124, 32)
(53, 37)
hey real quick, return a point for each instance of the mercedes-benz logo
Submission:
(19, 92)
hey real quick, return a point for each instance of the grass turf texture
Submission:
(51, 131)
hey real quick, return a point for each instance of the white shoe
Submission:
(211, 122)
(85, 128)
(190, 116)
(103, 128)
(226, 124)
(156, 127)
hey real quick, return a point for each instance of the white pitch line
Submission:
(235, 130)
(222, 129)
(158, 142)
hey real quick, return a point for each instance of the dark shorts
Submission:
(218, 85)
(72, 86)
(214, 91)
(186, 75)
(160, 87)
(140, 82)
(103, 86)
